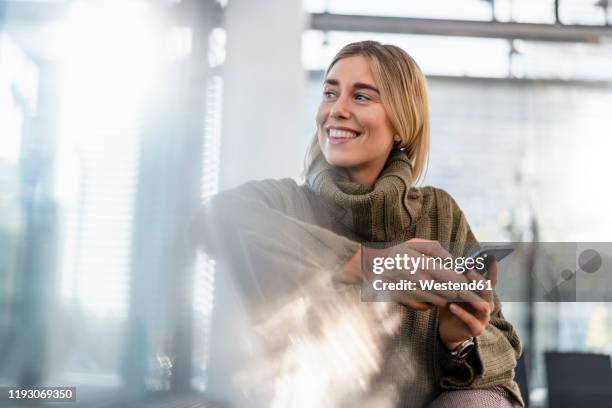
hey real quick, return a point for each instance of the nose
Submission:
(340, 109)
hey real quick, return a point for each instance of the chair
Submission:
(578, 379)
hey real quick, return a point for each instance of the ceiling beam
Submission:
(460, 28)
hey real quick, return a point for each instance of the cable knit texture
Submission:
(383, 213)
(323, 222)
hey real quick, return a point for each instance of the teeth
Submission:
(344, 134)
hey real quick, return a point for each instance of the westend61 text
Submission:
(405, 284)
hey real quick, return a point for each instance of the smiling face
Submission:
(353, 128)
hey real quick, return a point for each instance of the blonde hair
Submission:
(403, 91)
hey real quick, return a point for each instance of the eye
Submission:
(328, 94)
(362, 97)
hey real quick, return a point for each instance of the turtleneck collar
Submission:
(380, 213)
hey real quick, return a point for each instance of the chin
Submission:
(340, 160)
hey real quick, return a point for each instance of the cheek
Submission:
(380, 124)
(321, 117)
(322, 114)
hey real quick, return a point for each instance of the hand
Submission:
(459, 322)
(351, 272)
(425, 299)
(420, 299)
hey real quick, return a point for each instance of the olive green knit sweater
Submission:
(274, 234)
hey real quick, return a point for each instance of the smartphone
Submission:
(497, 252)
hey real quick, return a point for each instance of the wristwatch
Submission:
(461, 351)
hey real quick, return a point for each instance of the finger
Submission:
(482, 310)
(466, 296)
(435, 295)
(486, 294)
(412, 297)
(475, 326)
(428, 247)
(435, 269)
(447, 276)
(492, 303)
(473, 275)
(428, 297)
(419, 295)
(420, 306)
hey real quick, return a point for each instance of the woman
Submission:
(370, 147)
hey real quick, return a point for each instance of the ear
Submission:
(397, 140)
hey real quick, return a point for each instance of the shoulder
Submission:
(451, 224)
(438, 200)
(281, 194)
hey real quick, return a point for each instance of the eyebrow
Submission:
(357, 85)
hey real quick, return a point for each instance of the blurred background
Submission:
(118, 118)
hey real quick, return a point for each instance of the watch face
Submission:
(466, 350)
(463, 349)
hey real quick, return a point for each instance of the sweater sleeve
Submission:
(258, 229)
(497, 349)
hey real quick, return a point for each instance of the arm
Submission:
(260, 230)
(497, 347)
